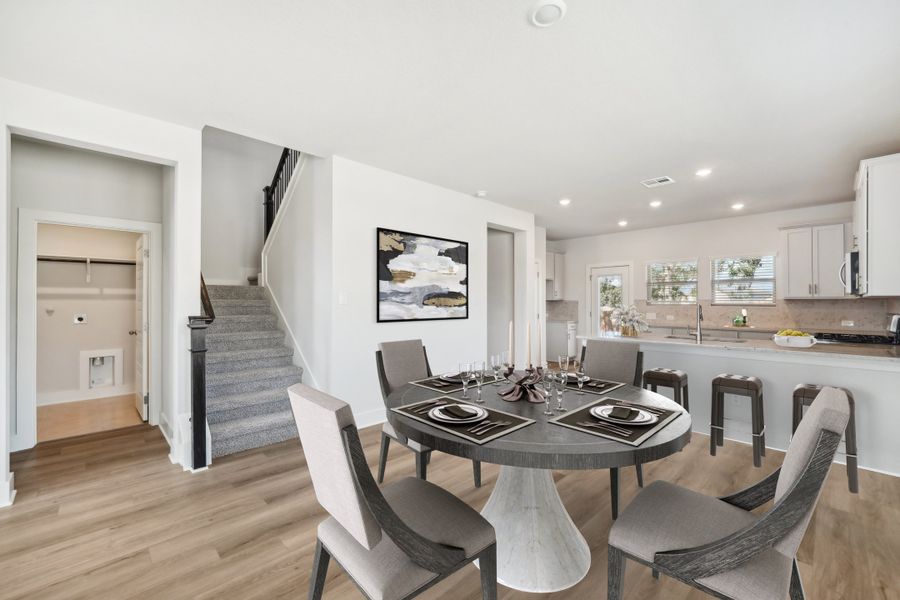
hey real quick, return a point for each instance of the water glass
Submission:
(497, 367)
(560, 391)
(581, 378)
(465, 375)
(564, 363)
(547, 391)
(478, 374)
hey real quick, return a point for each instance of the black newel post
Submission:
(198, 391)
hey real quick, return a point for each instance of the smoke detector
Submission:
(657, 181)
(547, 12)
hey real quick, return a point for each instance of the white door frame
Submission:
(25, 426)
(589, 299)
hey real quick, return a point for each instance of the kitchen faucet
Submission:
(699, 332)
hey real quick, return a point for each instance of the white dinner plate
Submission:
(454, 377)
(438, 414)
(644, 418)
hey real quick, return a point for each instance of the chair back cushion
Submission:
(320, 419)
(829, 411)
(404, 361)
(611, 359)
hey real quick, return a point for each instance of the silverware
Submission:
(473, 428)
(427, 406)
(483, 428)
(613, 428)
(649, 409)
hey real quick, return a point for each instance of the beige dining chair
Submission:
(398, 363)
(615, 360)
(716, 544)
(393, 543)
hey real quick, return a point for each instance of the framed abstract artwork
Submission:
(421, 277)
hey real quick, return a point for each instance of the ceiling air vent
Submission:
(657, 181)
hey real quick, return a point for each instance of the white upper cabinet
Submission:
(875, 225)
(556, 268)
(814, 257)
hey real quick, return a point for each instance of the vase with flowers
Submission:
(630, 321)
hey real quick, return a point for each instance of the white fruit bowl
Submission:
(794, 341)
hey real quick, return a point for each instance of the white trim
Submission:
(66, 396)
(298, 352)
(8, 491)
(279, 217)
(24, 430)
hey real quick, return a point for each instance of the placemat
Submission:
(636, 434)
(594, 386)
(419, 412)
(436, 384)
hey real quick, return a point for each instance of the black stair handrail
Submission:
(198, 325)
(275, 191)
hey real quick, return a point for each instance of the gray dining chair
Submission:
(393, 543)
(716, 544)
(622, 361)
(398, 363)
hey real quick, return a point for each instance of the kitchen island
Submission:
(871, 372)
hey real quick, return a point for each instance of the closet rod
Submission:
(94, 261)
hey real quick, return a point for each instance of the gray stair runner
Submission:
(248, 371)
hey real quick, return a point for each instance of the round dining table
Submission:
(539, 548)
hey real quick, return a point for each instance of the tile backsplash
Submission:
(562, 310)
(867, 314)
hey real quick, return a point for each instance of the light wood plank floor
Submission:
(70, 419)
(107, 516)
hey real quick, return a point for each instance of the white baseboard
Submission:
(8, 491)
(62, 397)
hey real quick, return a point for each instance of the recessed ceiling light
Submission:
(548, 12)
(623, 223)
(481, 194)
(703, 173)
(737, 206)
(655, 203)
(565, 201)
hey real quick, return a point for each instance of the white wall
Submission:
(500, 289)
(320, 268)
(235, 170)
(38, 113)
(366, 198)
(298, 268)
(751, 234)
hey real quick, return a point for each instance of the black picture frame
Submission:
(378, 275)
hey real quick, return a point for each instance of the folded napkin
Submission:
(623, 413)
(460, 412)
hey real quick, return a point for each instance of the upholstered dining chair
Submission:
(393, 543)
(398, 363)
(615, 360)
(718, 545)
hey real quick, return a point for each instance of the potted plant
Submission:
(629, 320)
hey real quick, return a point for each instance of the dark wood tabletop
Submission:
(544, 445)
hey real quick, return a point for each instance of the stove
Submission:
(855, 338)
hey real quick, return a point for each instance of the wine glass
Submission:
(507, 361)
(547, 391)
(478, 375)
(465, 375)
(564, 363)
(496, 367)
(560, 391)
(581, 378)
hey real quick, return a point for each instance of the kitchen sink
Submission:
(705, 339)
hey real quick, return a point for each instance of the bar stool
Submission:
(669, 378)
(740, 385)
(804, 394)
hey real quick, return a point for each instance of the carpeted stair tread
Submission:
(242, 306)
(240, 406)
(252, 354)
(252, 432)
(231, 292)
(233, 323)
(216, 379)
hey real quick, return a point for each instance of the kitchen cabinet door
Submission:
(798, 243)
(550, 266)
(828, 258)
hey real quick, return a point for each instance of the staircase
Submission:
(248, 371)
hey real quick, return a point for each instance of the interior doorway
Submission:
(609, 287)
(89, 324)
(500, 289)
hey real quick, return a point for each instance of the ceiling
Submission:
(780, 99)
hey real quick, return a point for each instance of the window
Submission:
(672, 282)
(744, 280)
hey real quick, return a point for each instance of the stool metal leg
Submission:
(720, 435)
(676, 394)
(754, 418)
(850, 447)
(713, 421)
(684, 395)
(762, 424)
(652, 387)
